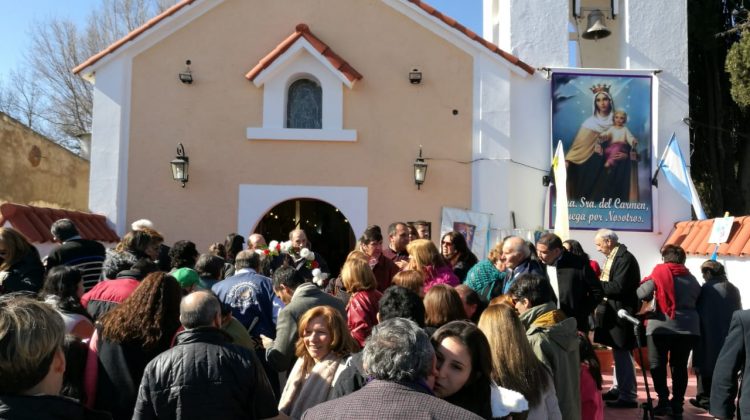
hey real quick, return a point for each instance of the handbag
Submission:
(647, 309)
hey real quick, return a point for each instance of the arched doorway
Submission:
(327, 228)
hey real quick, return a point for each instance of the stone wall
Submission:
(36, 171)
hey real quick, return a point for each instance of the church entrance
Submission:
(327, 228)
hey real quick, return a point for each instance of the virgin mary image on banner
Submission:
(604, 122)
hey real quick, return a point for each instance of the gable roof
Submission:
(35, 222)
(302, 31)
(693, 236)
(447, 20)
(132, 35)
(453, 23)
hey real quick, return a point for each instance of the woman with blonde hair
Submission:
(514, 364)
(322, 348)
(362, 308)
(20, 266)
(335, 287)
(442, 304)
(425, 258)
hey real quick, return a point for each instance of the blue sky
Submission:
(18, 15)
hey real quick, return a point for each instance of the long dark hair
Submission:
(149, 317)
(475, 394)
(588, 356)
(233, 245)
(62, 281)
(577, 249)
(75, 363)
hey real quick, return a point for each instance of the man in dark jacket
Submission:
(84, 254)
(718, 300)
(518, 260)
(204, 375)
(574, 282)
(620, 279)
(298, 296)
(733, 360)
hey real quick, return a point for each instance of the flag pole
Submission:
(654, 181)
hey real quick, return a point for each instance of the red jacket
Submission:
(361, 314)
(108, 294)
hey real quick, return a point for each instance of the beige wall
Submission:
(391, 116)
(36, 171)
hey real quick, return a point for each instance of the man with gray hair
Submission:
(400, 359)
(84, 254)
(204, 375)
(249, 294)
(620, 279)
(32, 363)
(518, 260)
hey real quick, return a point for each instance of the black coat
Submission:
(734, 357)
(83, 254)
(717, 302)
(580, 291)
(46, 407)
(204, 376)
(620, 291)
(27, 274)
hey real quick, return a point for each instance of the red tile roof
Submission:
(693, 236)
(473, 35)
(35, 222)
(424, 6)
(303, 31)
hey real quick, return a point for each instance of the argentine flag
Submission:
(674, 168)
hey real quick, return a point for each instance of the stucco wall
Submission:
(210, 117)
(36, 171)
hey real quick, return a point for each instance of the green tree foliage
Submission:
(720, 135)
(43, 92)
(738, 67)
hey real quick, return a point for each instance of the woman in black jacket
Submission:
(20, 266)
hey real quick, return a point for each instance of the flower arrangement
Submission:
(319, 277)
(272, 249)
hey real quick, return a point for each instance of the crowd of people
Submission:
(260, 330)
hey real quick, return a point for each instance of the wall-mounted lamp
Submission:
(420, 169)
(180, 166)
(415, 77)
(186, 76)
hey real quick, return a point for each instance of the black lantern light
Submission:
(415, 77)
(186, 76)
(180, 166)
(420, 169)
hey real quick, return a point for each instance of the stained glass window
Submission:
(304, 107)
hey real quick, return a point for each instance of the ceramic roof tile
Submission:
(35, 222)
(693, 237)
(424, 6)
(303, 31)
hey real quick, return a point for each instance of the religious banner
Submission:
(605, 123)
(474, 226)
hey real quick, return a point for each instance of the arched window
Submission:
(304, 105)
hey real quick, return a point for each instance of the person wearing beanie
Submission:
(187, 277)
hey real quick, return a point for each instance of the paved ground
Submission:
(636, 413)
